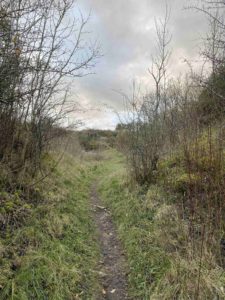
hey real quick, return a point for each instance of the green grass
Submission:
(147, 262)
(53, 255)
(161, 261)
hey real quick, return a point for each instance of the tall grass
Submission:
(165, 261)
(53, 255)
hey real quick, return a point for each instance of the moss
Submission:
(171, 161)
(200, 166)
(182, 182)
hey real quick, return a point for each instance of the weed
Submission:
(53, 254)
(162, 260)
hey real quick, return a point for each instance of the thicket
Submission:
(163, 264)
(49, 251)
(93, 140)
(42, 46)
(174, 137)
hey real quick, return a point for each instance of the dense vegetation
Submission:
(44, 218)
(161, 172)
(92, 140)
(40, 51)
(172, 222)
(52, 252)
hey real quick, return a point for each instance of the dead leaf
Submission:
(103, 292)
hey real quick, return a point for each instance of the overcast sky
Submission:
(125, 30)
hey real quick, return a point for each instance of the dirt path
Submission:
(112, 265)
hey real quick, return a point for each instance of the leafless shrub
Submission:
(146, 113)
(42, 47)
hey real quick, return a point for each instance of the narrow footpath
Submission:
(112, 267)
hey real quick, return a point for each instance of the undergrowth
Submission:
(52, 254)
(162, 260)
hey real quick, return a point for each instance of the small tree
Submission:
(146, 114)
(43, 48)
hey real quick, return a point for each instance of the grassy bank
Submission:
(53, 253)
(160, 253)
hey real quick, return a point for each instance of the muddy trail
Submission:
(112, 267)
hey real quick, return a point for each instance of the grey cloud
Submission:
(125, 29)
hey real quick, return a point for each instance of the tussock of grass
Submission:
(54, 254)
(163, 264)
